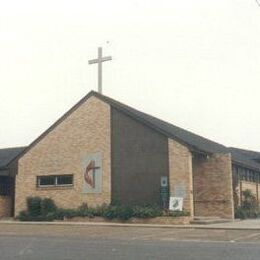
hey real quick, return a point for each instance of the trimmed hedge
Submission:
(39, 209)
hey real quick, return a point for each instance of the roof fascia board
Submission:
(153, 127)
(150, 125)
(4, 172)
(244, 165)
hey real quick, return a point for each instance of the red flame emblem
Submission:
(89, 178)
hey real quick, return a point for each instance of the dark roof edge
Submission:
(157, 129)
(192, 148)
(252, 154)
(60, 120)
(244, 150)
(245, 165)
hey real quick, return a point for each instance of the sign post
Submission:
(164, 191)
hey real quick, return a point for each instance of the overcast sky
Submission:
(194, 63)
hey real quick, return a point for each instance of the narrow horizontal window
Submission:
(55, 180)
(46, 180)
(65, 180)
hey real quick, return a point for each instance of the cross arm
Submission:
(102, 60)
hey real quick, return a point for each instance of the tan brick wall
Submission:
(5, 206)
(86, 130)
(212, 183)
(180, 171)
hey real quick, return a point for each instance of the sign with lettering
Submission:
(92, 173)
(176, 203)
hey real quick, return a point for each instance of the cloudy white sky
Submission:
(194, 63)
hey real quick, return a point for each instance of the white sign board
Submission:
(176, 203)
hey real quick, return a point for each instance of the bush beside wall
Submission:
(39, 209)
(249, 207)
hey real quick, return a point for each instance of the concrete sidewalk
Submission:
(234, 225)
(239, 224)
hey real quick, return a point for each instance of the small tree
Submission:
(249, 207)
(249, 200)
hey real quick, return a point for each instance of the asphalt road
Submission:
(28, 242)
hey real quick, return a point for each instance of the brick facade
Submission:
(5, 206)
(180, 172)
(212, 180)
(134, 158)
(86, 130)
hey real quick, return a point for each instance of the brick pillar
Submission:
(180, 173)
(213, 192)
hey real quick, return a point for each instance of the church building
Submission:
(102, 151)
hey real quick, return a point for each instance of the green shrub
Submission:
(50, 216)
(39, 209)
(124, 213)
(121, 212)
(249, 200)
(146, 212)
(34, 206)
(47, 206)
(249, 206)
(110, 212)
(93, 212)
(23, 216)
(240, 213)
(85, 211)
(66, 213)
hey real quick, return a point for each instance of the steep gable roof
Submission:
(192, 140)
(195, 142)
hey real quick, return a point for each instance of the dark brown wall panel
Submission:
(139, 159)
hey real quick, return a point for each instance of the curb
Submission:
(127, 225)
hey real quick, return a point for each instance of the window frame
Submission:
(38, 185)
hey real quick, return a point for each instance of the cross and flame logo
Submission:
(90, 174)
